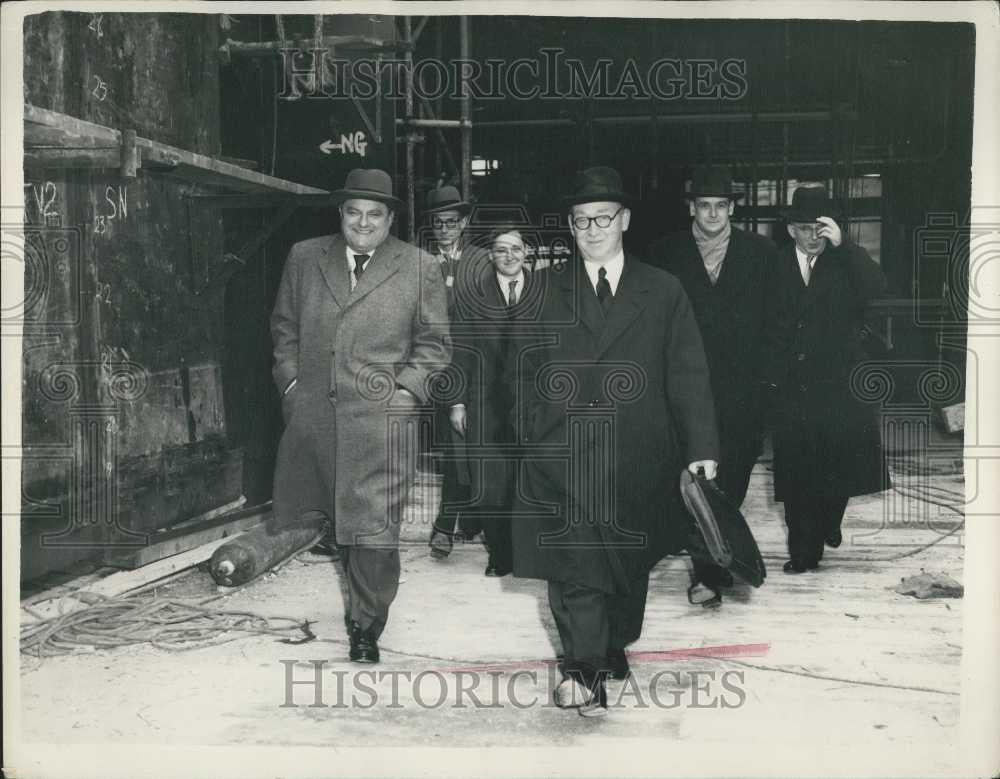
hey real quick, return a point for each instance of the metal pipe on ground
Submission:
(262, 548)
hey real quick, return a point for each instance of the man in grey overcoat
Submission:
(360, 329)
(614, 402)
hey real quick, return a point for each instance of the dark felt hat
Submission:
(808, 203)
(712, 181)
(446, 199)
(370, 184)
(595, 185)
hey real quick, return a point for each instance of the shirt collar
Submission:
(351, 254)
(504, 282)
(802, 257)
(614, 268)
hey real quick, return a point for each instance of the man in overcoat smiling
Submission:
(360, 328)
(614, 401)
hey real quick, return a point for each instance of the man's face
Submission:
(596, 243)
(365, 224)
(507, 254)
(806, 239)
(448, 226)
(711, 214)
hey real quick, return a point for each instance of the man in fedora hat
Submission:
(614, 402)
(359, 327)
(448, 217)
(725, 272)
(827, 443)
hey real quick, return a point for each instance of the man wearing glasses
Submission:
(827, 443)
(458, 259)
(614, 401)
(491, 310)
(725, 272)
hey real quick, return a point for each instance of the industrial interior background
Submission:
(166, 178)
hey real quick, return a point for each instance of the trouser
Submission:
(811, 519)
(372, 582)
(497, 534)
(453, 494)
(590, 621)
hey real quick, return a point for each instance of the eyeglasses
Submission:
(603, 221)
(450, 223)
(503, 252)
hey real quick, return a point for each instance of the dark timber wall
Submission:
(123, 420)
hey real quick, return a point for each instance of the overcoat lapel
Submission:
(332, 263)
(628, 304)
(384, 263)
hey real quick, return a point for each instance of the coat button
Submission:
(332, 394)
(800, 325)
(802, 388)
(801, 356)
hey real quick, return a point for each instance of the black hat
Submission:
(712, 181)
(597, 184)
(446, 199)
(808, 203)
(370, 184)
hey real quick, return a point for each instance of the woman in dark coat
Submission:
(827, 442)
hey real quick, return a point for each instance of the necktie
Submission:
(360, 260)
(604, 290)
(511, 293)
(807, 269)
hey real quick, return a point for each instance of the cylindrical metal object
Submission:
(261, 548)
(466, 112)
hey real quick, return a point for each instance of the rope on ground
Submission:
(826, 678)
(164, 623)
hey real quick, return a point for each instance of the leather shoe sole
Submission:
(440, 545)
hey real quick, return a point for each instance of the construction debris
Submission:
(930, 585)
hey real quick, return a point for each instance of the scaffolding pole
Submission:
(411, 195)
(466, 112)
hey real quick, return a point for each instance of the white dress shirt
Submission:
(504, 282)
(806, 264)
(614, 268)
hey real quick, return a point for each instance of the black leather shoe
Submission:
(796, 565)
(618, 667)
(835, 539)
(440, 544)
(704, 595)
(493, 568)
(364, 647)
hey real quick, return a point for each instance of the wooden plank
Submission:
(60, 158)
(173, 542)
(44, 127)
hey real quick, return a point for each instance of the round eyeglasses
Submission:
(450, 223)
(603, 221)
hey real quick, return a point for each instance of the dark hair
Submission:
(503, 229)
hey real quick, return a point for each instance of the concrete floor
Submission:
(829, 672)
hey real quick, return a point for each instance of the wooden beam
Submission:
(61, 158)
(260, 200)
(182, 539)
(51, 128)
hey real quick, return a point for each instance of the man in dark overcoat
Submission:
(359, 327)
(490, 307)
(726, 274)
(615, 401)
(827, 442)
(459, 258)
